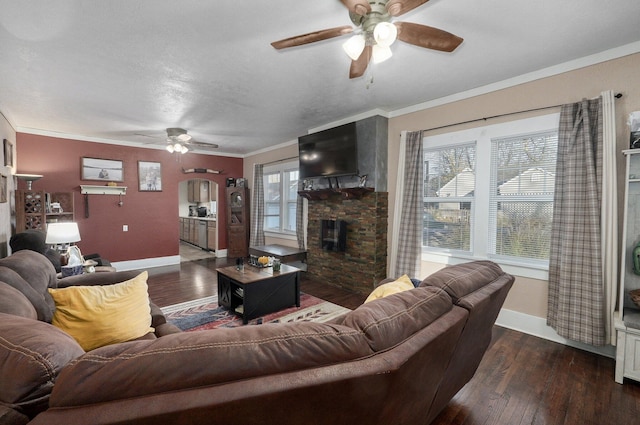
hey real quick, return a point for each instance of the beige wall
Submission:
(528, 296)
(6, 219)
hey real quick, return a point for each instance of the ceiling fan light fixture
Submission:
(170, 148)
(380, 53)
(354, 46)
(385, 33)
(183, 137)
(184, 149)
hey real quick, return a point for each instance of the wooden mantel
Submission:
(346, 192)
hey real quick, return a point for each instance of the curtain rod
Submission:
(280, 160)
(617, 96)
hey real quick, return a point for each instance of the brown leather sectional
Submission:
(397, 360)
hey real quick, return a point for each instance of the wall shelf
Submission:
(102, 190)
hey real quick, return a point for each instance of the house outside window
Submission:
(280, 196)
(488, 193)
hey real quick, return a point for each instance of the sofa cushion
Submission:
(463, 279)
(204, 358)
(14, 302)
(403, 283)
(100, 315)
(32, 353)
(390, 320)
(39, 298)
(36, 271)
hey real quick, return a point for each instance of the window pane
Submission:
(281, 195)
(291, 217)
(272, 223)
(450, 172)
(526, 165)
(292, 183)
(447, 225)
(272, 187)
(522, 186)
(524, 229)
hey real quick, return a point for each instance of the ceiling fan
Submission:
(179, 141)
(375, 33)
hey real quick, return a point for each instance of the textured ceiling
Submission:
(125, 70)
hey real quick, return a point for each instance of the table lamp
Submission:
(62, 235)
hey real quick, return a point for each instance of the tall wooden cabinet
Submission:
(627, 318)
(34, 209)
(237, 221)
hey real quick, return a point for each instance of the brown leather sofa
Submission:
(396, 360)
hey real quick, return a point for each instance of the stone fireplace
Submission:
(361, 201)
(364, 261)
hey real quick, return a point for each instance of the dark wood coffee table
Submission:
(254, 292)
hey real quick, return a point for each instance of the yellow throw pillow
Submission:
(403, 283)
(96, 316)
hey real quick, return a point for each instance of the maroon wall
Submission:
(152, 217)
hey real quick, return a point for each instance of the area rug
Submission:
(205, 313)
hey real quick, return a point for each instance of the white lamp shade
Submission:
(61, 233)
(354, 46)
(184, 149)
(385, 33)
(380, 53)
(170, 148)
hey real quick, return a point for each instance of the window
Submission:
(488, 193)
(280, 196)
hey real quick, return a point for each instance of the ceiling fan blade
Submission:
(359, 7)
(399, 7)
(312, 37)
(428, 37)
(204, 145)
(359, 66)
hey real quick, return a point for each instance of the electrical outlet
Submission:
(125, 227)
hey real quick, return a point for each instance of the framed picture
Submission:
(149, 176)
(8, 153)
(3, 188)
(102, 169)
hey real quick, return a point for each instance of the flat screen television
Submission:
(329, 153)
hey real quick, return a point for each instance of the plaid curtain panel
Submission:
(257, 210)
(300, 219)
(410, 234)
(576, 294)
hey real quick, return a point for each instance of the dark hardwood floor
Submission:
(197, 279)
(521, 380)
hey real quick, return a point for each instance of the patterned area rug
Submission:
(205, 313)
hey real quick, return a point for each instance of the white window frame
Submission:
(480, 237)
(280, 168)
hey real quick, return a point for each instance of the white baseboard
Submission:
(537, 326)
(146, 263)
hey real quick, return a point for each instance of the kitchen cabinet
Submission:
(34, 209)
(237, 221)
(199, 232)
(627, 318)
(198, 190)
(212, 236)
